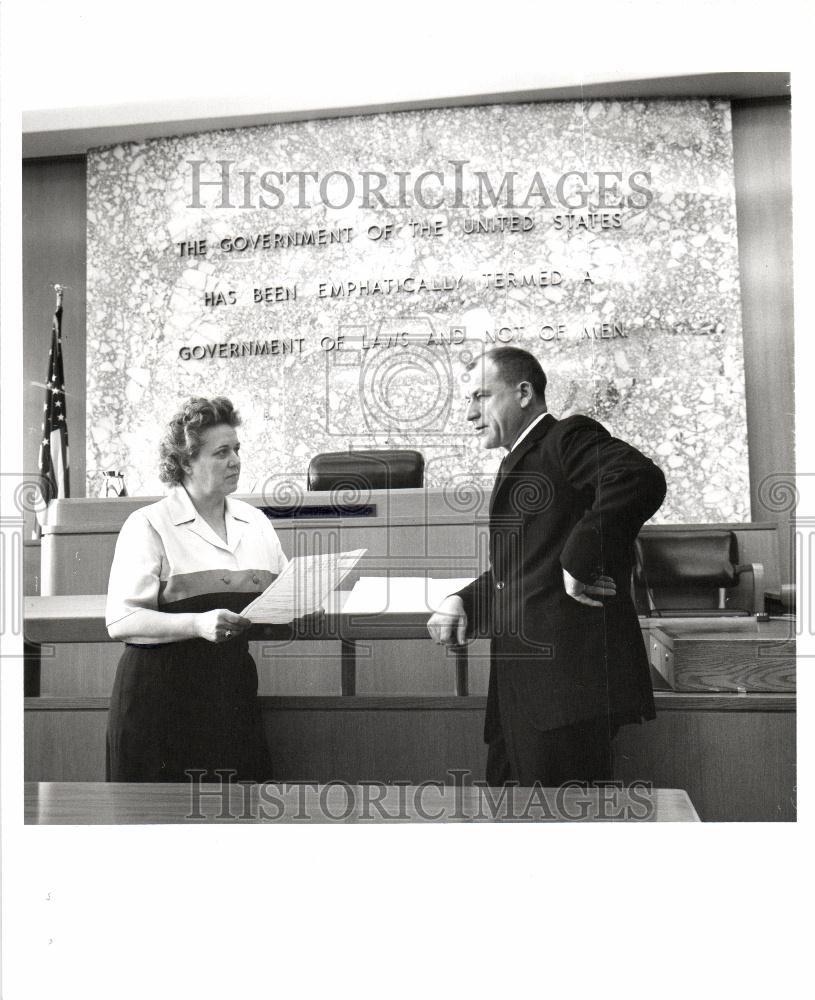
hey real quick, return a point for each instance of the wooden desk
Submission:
(84, 803)
(81, 618)
(738, 655)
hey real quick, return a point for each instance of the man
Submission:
(568, 663)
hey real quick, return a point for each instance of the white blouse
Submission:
(166, 552)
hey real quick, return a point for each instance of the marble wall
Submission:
(631, 301)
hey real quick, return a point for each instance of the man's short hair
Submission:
(517, 365)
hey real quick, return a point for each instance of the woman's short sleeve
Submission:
(136, 570)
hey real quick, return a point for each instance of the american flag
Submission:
(54, 470)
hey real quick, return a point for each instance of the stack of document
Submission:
(373, 595)
(302, 588)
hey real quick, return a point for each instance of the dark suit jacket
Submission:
(569, 496)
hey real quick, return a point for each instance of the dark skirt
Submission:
(186, 706)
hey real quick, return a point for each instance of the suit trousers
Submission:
(520, 753)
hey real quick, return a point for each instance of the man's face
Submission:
(495, 409)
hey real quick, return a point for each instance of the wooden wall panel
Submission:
(408, 667)
(78, 669)
(761, 150)
(412, 745)
(309, 668)
(736, 764)
(31, 568)
(415, 667)
(77, 564)
(54, 250)
(65, 744)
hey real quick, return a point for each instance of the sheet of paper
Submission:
(376, 594)
(302, 588)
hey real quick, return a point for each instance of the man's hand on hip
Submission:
(603, 586)
(448, 625)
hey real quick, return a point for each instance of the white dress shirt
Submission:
(527, 429)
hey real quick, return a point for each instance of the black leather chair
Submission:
(688, 573)
(385, 469)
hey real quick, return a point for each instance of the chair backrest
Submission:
(687, 558)
(385, 469)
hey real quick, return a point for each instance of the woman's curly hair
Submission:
(182, 439)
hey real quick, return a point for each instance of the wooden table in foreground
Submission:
(100, 803)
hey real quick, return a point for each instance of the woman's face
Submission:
(216, 467)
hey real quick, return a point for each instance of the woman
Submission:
(185, 694)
